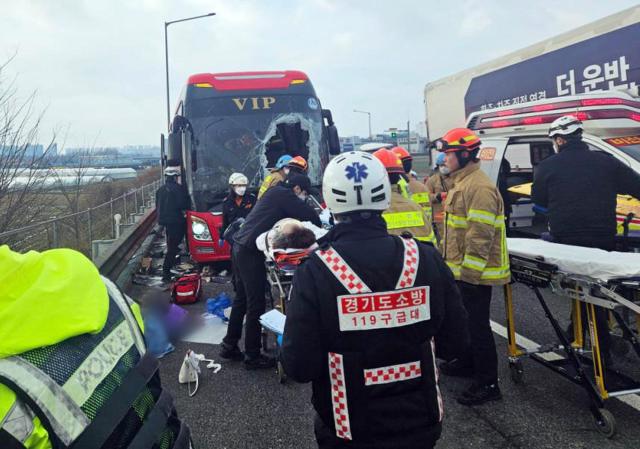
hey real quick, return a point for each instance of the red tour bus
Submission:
(242, 122)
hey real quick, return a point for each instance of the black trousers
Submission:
(250, 279)
(327, 439)
(175, 233)
(482, 351)
(602, 314)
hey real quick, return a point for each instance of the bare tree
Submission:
(23, 162)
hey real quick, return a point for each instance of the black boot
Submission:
(479, 394)
(231, 353)
(259, 362)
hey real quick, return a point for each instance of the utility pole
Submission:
(409, 136)
(166, 58)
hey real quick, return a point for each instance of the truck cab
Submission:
(515, 141)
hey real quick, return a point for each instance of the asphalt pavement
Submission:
(236, 408)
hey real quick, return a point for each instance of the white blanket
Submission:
(592, 262)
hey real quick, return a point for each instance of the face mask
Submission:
(286, 171)
(302, 196)
(240, 190)
(444, 170)
(555, 147)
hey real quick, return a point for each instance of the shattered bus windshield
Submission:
(247, 134)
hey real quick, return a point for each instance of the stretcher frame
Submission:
(279, 280)
(599, 382)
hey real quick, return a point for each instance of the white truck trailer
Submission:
(600, 56)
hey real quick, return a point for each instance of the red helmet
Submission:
(298, 162)
(458, 139)
(402, 153)
(390, 160)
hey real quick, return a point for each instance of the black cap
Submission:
(300, 180)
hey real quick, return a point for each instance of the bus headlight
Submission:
(200, 229)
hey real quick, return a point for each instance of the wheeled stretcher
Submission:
(584, 276)
(280, 266)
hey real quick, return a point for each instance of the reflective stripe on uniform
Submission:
(265, 185)
(474, 263)
(398, 220)
(394, 373)
(342, 271)
(18, 422)
(99, 364)
(67, 420)
(481, 216)
(488, 273)
(422, 198)
(339, 396)
(455, 268)
(404, 188)
(410, 264)
(456, 221)
(437, 374)
(124, 306)
(431, 238)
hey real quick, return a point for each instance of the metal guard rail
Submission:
(118, 256)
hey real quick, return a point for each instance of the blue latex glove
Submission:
(279, 340)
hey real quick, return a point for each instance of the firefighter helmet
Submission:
(283, 161)
(356, 181)
(390, 160)
(298, 162)
(402, 153)
(458, 139)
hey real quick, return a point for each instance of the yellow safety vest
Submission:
(406, 216)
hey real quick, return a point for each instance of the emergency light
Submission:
(614, 108)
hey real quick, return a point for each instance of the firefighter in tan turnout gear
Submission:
(366, 314)
(418, 192)
(403, 214)
(475, 249)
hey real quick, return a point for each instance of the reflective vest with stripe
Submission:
(404, 215)
(272, 179)
(91, 391)
(364, 386)
(420, 195)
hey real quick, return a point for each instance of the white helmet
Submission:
(238, 179)
(172, 171)
(356, 181)
(567, 124)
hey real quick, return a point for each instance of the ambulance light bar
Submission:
(483, 121)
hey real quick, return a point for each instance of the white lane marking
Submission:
(632, 400)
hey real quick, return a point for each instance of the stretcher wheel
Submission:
(517, 372)
(282, 376)
(606, 424)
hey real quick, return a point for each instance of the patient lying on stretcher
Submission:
(289, 241)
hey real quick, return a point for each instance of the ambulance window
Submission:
(519, 157)
(540, 151)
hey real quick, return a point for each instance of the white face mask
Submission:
(555, 147)
(444, 170)
(302, 196)
(286, 170)
(240, 190)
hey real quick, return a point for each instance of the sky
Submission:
(97, 66)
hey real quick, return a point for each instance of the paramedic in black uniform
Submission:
(281, 201)
(374, 386)
(577, 188)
